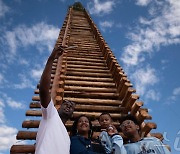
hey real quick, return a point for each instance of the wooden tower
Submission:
(88, 74)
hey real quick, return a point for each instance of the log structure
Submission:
(88, 73)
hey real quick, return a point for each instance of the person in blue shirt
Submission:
(81, 134)
(137, 145)
(109, 137)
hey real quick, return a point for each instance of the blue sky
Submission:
(144, 35)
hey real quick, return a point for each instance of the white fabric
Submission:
(52, 136)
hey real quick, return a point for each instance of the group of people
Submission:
(53, 138)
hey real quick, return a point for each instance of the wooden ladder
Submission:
(88, 74)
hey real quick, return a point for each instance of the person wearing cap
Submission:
(137, 144)
(52, 136)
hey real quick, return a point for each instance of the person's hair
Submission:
(105, 113)
(129, 117)
(74, 127)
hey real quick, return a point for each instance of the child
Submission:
(109, 137)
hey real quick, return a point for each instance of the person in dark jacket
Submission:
(81, 137)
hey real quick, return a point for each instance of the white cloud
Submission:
(7, 137)
(143, 78)
(143, 2)
(1, 78)
(106, 24)
(160, 30)
(100, 8)
(40, 35)
(3, 8)
(2, 116)
(152, 95)
(14, 104)
(24, 83)
(176, 91)
(3, 81)
(36, 73)
(11, 103)
(23, 61)
(173, 98)
(164, 61)
(7, 133)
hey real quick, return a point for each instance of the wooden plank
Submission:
(142, 115)
(83, 78)
(91, 95)
(30, 124)
(99, 108)
(135, 107)
(26, 135)
(85, 63)
(90, 56)
(35, 123)
(89, 74)
(94, 101)
(76, 114)
(87, 67)
(86, 83)
(36, 98)
(34, 105)
(90, 89)
(85, 59)
(96, 115)
(147, 128)
(88, 70)
(16, 149)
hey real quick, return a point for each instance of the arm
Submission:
(116, 140)
(45, 80)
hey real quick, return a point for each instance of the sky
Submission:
(144, 35)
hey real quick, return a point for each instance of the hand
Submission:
(57, 51)
(111, 129)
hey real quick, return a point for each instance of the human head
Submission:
(82, 125)
(105, 120)
(129, 126)
(66, 109)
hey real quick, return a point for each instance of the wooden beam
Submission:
(26, 135)
(82, 78)
(147, 128)
(86, 83)
(89, 74)
(94, 101)
(17, 149)
(89, 89)
(135, 107)
(79, 94)
(75, 114)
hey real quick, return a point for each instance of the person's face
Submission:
(105, 120)
(129, 128)
(83, 126)
(67, 108)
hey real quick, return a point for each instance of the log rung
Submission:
(87, 70)
(90, 89)
(90, 95)
(94, 101)
(17, 149)
(86, 83)
(75, 114)
(89, 74)
(82, 78)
